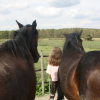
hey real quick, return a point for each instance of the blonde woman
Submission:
(52, 69)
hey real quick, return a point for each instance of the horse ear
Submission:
(65, 35)
(80, 33)
(20, 25)
(34, 24)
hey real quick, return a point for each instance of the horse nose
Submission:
(37, 58)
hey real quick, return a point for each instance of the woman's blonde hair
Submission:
(55, 56)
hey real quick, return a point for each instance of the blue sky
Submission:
(50, 13)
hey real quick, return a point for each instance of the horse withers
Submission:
(68, 84)
(17, 73)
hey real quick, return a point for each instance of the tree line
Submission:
(56, 33)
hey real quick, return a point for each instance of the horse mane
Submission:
(18, 44)
(71, 42)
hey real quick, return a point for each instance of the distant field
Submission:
(96, 39)
(3, 40)
(46, 45)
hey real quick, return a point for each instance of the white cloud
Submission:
(8, 27)
(48, 25)
(18, 6)
(8, 8)
(63, 3)
(78, 13)
(84, 22)
(81, 14)
(69, 24)
(42, 12)
(95, 16)
(2, 18)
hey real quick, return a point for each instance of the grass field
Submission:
(46, 45)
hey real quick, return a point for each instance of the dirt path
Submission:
(46, 97)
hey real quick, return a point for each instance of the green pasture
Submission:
(46, 45)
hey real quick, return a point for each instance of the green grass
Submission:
(91, 45)
(46, 45)
(51, 42)
(45, 49)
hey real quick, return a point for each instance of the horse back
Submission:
(89, 76)
(15, 77)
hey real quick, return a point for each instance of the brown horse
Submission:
(17, 74)
(89, 76)
(68, 84)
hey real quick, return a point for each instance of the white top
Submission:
(53, 71)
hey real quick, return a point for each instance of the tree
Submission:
(88, 37)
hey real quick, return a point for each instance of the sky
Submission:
(50, 14)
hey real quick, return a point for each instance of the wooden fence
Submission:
(42, 73)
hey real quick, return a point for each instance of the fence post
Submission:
(42, 72)
(90, 46)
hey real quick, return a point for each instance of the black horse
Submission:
(17, 73)
(68, 83)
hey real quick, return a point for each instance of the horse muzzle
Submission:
(37, 58)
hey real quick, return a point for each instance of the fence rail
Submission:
(39, 70)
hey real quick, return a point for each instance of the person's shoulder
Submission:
(52, 65)
(49, 65)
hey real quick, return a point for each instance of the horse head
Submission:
(75, 40)
(31, 38)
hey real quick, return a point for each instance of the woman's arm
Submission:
(49, 76)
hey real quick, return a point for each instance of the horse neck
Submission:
(72, 50)
(18, 47)
(20, 41)
(26, 40)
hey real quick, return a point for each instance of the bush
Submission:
(88, 37)
(39, 87)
